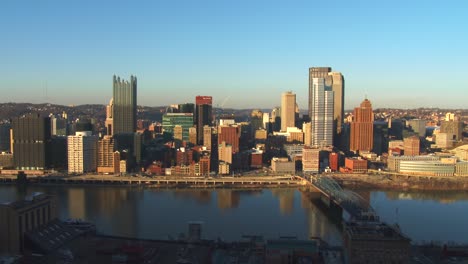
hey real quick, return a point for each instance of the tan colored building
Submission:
(261, 134)
(453, 127)
(17, 218)
(282, 165)
(288, 110)
(295, 135)
(412, 146)
(109, 123)
(307, 130)
(108, 159)
(444, 140)
(193, 135)
(225, 152)
(310, 159)
(178, 132)
(362, 128)
(207, 136)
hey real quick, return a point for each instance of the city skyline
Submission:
(226, 50)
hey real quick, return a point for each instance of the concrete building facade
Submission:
(82, 152)
(288, 110)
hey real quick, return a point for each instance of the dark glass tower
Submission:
(125, 105)
(31, 139)
(204, 115)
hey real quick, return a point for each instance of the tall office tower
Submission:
(288, 110)
(231, 135)
(178, 132)
(275, 119)
(5, 137)
(411, 146)
(109, 120)
(418, 126)
(31, 139)
(307, 130)
(203, 115)
(321, 113)
(82, 152)
(334, 80)
(256, 119)
(125, 105)
(266, 121)
(193, 135)
(207, 136)
(108, 159)
(58, 125)
(225, 152)
(170, 120)
(186, 108)
(454, 127)
(362, 128)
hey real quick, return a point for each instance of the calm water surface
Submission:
(229, 214)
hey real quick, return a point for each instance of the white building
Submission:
(82, 152)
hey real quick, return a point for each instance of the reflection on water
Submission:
(231, 213)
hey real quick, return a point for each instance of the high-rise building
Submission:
(207, 136)
(418, 126)
(310, 159)
(108, 159)
(230, 135)
(225, 152)
(186, 108)
(335, 81)
(288, 110)
(31, 139)
(58, 125)
(307, 129)
(193, 135)
(82, 152)
(411, 146)
(109, 119)
(454, 127)
(203, 115)
(362, 128)
(321, 113)
(170, 120)
(5, 137)
(256, 119)
(125, 105)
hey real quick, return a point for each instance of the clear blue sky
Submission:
(400, 53)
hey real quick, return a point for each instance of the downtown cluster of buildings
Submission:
(198, 140)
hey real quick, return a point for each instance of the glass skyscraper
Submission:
(185, 120)
(125, 105)
(335, 81)
(321, 113)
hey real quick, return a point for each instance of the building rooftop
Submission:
(28, 200)
(373, 231)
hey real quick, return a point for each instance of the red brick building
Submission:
(355, 165)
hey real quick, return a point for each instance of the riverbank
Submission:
(402, 182)
(160, 182)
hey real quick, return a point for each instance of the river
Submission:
(229, 214)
